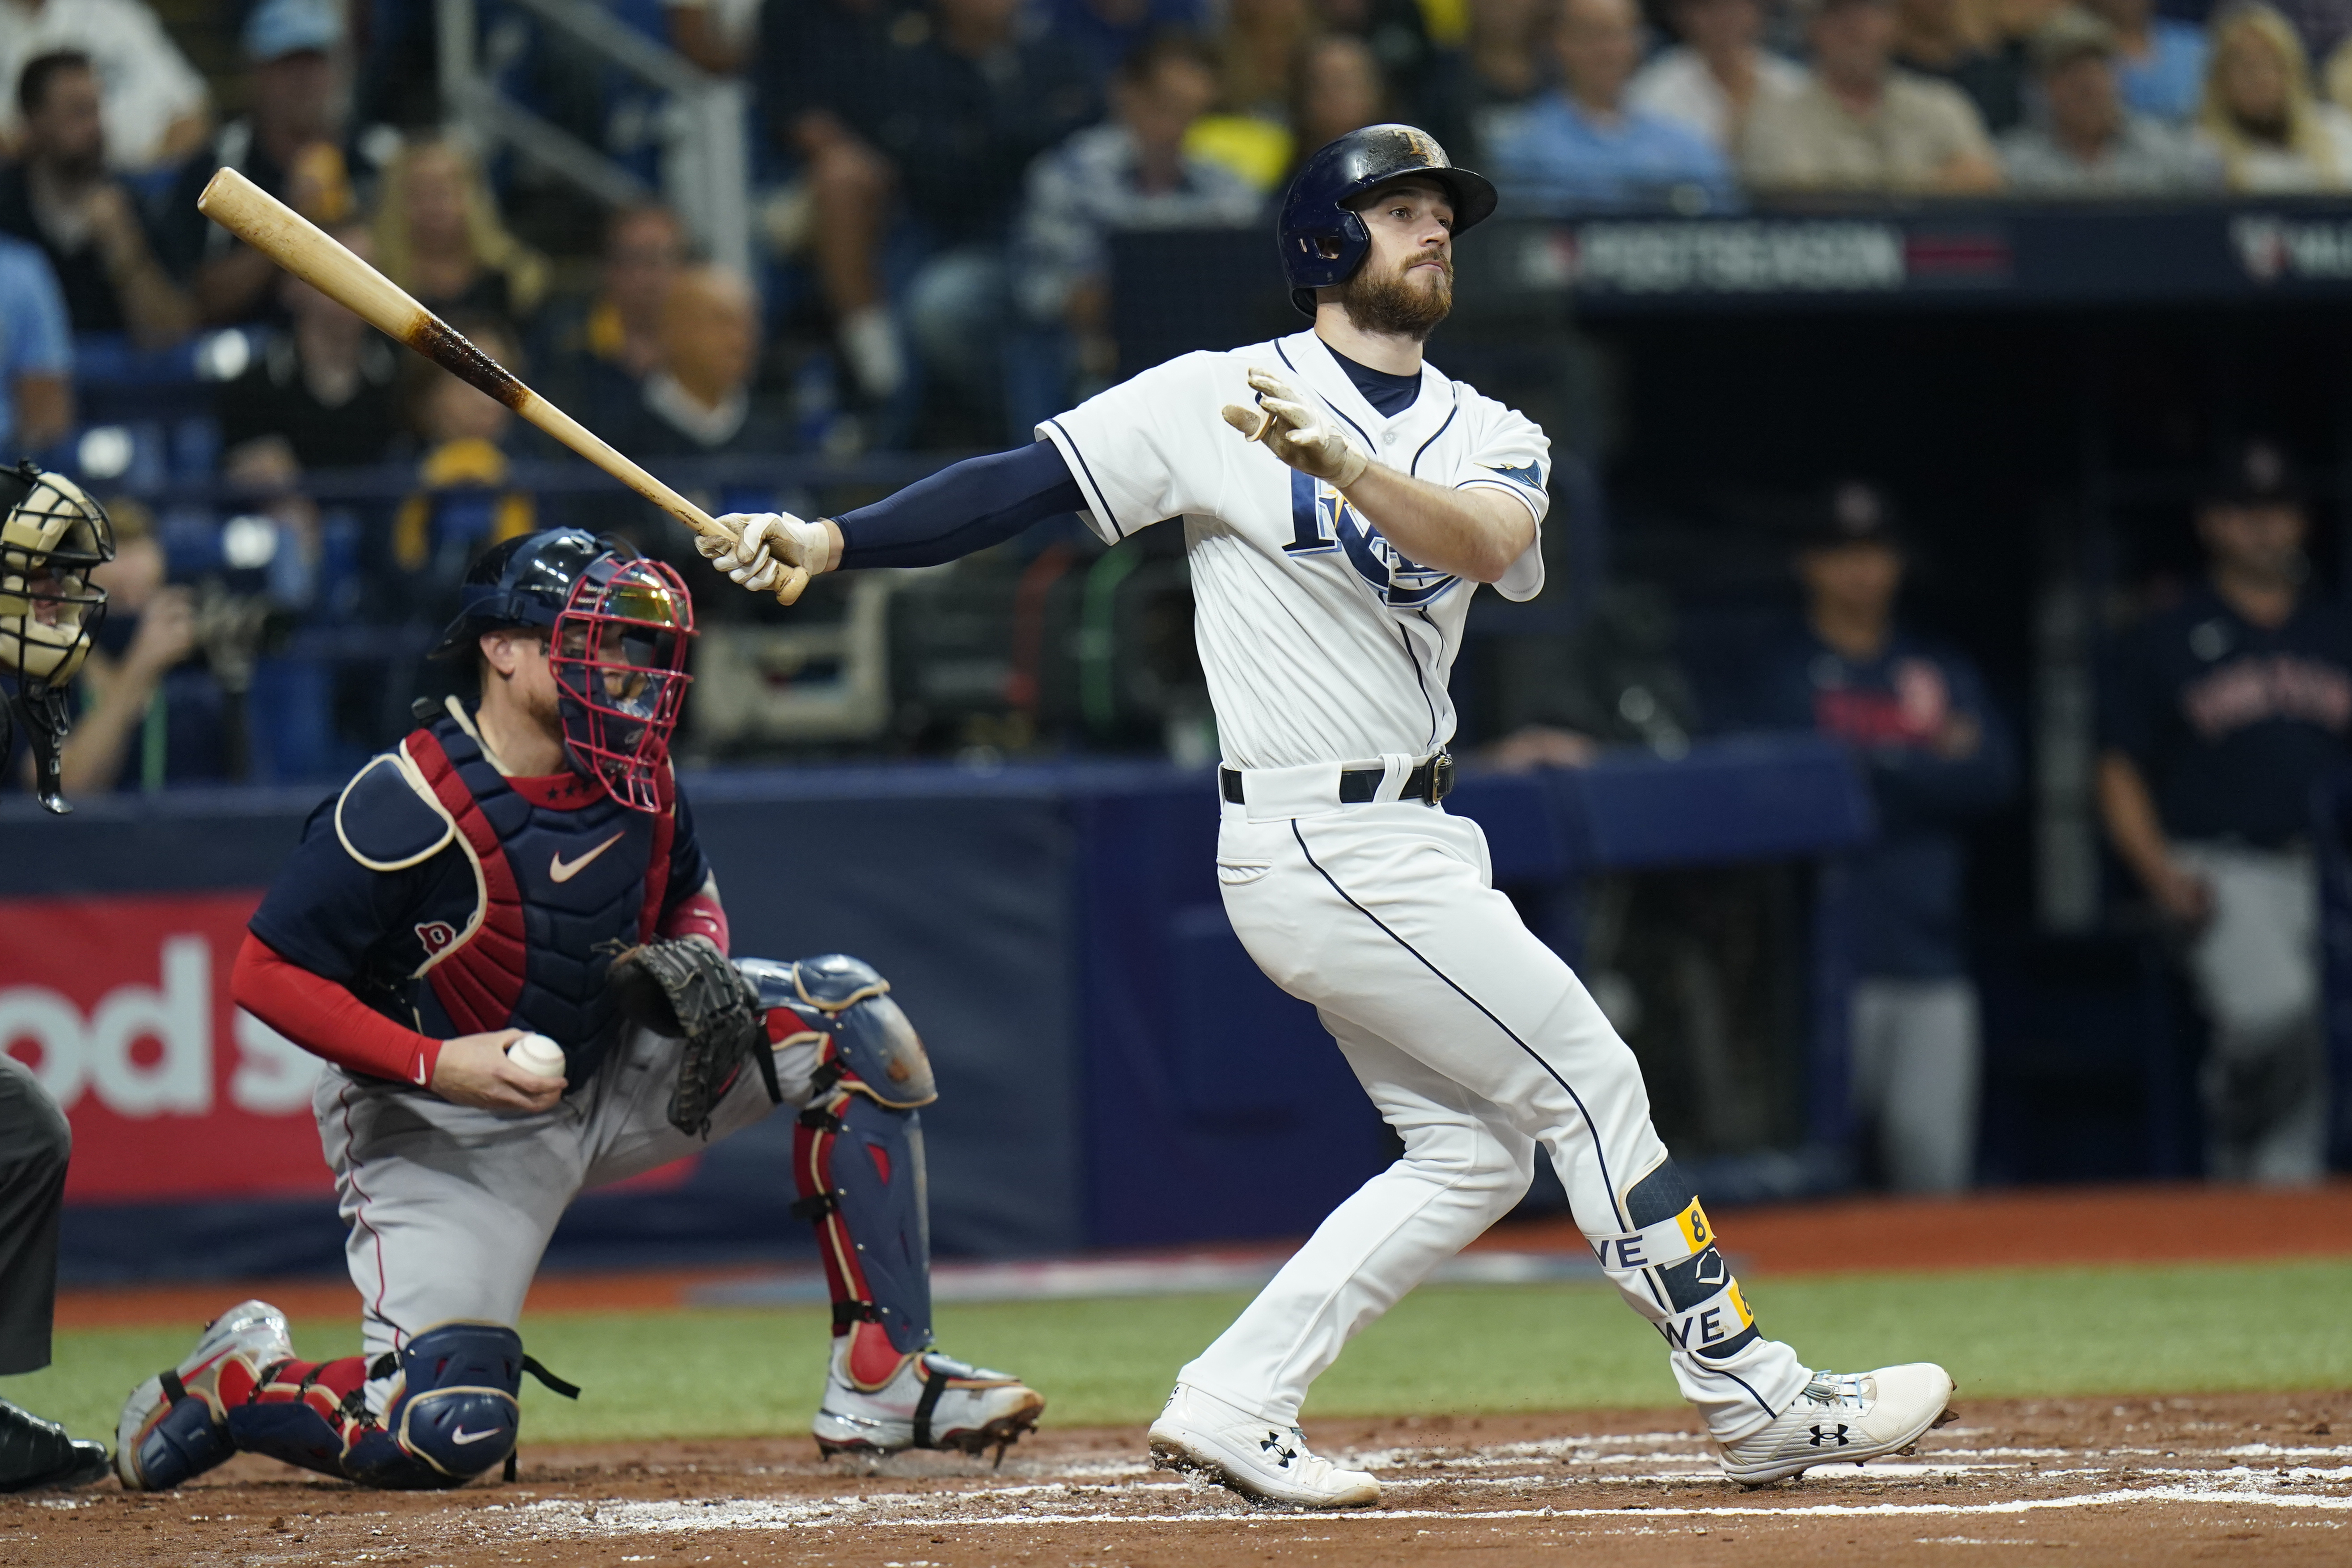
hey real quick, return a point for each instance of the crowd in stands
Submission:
(940, 184)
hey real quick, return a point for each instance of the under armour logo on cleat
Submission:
(1273, 1444)
(1836, 1439)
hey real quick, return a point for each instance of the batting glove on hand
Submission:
(1296, 431)
(772, 552)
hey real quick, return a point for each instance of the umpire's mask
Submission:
(53, 537)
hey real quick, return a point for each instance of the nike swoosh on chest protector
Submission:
(563, 871)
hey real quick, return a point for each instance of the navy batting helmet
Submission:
(1323, 241)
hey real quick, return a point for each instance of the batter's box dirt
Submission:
(2241, 1477)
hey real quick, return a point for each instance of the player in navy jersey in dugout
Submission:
(1935, 755)
(2223, 715)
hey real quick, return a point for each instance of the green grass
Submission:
(1464, 1350)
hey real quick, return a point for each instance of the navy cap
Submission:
(1851, 511)
(2258, 471)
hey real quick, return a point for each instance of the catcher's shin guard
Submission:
(452, 1411)
(858, 1168)
(857, 1154)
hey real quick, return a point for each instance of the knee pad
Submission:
(1669, 1267)
(454, 1411)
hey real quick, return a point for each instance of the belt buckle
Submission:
(1441, 777)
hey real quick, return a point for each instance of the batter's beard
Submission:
(1393, 304)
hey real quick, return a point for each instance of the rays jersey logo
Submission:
(1321, 522)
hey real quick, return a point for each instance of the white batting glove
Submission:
(772, 552)
(1295, 430)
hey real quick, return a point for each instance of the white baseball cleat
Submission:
(174, 1425)
(932, 1400)
(1843, 1418)
(1199, 1433)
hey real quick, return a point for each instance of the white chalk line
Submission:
(624, 1518)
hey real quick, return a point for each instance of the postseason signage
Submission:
(119, 1005)
(2013, 256)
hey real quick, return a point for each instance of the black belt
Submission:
(1430, 783)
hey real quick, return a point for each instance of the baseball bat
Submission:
(309, 252)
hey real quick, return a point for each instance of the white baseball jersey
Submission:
(1321, 642)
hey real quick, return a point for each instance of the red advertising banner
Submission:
(121, 1007)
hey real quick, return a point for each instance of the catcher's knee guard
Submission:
(1668, 1266)
(857, 1154)
(452, 1413)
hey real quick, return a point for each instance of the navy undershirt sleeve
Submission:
(964, 508)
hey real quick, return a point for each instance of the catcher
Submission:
(528, 865)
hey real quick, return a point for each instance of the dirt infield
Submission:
(2237, 1478)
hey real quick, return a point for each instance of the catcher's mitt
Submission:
(687, 989)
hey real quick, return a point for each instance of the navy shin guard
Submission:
(860, 1170)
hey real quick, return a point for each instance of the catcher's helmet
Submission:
(1322, 240)
(618, 626)
(524, 582)
(51, 539)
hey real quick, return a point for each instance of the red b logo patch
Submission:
(436, 935)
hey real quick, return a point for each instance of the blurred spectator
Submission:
(1131, 172)
(1713, 79)
(139, 687)
(2224, 714)
(2160, 60)
(821, 63)
(1583, 145)
(1250, 131)
(697, 401)
(1917, 719)
(1108, 31)
(1501, 65)
(322, 389)
(462, 507)
(1337, 89)
(439, 235)
(945, 108)
(88, 223)
(1941, 38)
(154, 105)
(603, 351)
(2092, 144)
(1397, 33)
(720, 36)
(37, 404)
(289, 142)
(2274, 134)
(1859, 124)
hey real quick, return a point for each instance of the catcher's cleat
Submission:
(38, 1455)
(1201, 1434)
(931, 1401)
(1844, 1417)
(174, 1425)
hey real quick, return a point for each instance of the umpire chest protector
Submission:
(549, 878)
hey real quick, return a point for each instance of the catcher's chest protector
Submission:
(561, 883)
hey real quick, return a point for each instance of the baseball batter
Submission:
(478, 883)
(1342, 499)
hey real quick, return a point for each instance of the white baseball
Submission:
(537, 1054)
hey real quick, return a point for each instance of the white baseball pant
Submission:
(1478, 1044)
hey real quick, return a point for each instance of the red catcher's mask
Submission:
(618, 654)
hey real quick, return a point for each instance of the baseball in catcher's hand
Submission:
(1297, 432)
(773, 552)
